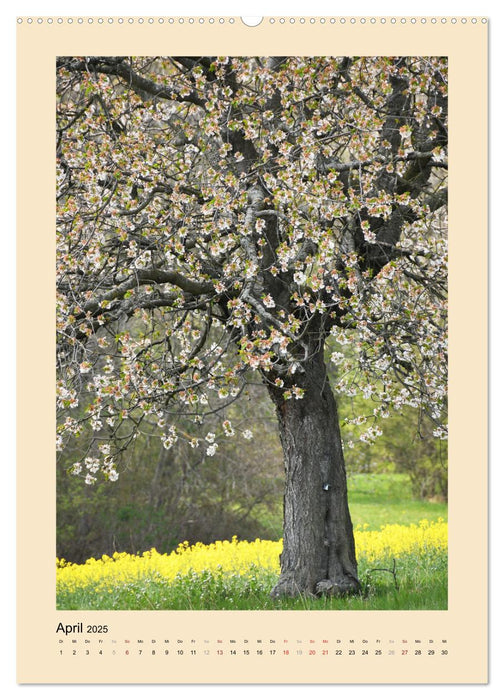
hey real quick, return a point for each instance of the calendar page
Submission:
(252, 305)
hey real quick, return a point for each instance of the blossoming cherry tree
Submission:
(220, 218)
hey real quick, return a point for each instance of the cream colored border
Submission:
(464, 625)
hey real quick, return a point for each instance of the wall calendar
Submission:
(252, 282)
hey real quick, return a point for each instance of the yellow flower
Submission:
(238, 558)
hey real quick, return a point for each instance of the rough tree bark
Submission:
(318, 546)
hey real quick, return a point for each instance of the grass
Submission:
(378, 499)
(422, 585)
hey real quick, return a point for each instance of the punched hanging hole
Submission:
(251, 21)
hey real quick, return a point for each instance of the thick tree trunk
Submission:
(318, 547)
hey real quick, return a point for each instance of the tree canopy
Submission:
(218, 216)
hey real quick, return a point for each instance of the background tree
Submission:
(221, 215)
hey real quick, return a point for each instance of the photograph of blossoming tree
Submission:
(252, 296)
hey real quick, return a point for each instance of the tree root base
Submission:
(341, 588)
(288, 587)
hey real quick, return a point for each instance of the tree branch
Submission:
(116, 65)
(356, 164)
(152, 276)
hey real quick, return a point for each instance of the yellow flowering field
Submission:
(396, 540)
(240, 558)
(221, 556)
